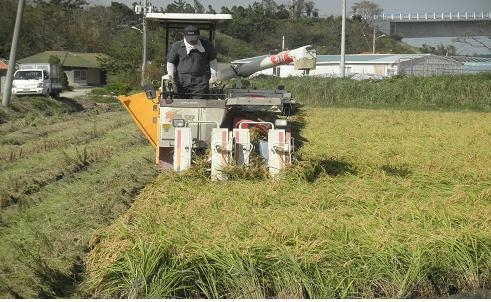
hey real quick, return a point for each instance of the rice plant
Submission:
(379, 204)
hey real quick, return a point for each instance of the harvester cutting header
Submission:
(180, 122)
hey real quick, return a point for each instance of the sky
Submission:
(333, 7)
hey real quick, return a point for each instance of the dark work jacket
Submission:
(193, 69)
(194, 63)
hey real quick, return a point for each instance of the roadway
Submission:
(76, 92)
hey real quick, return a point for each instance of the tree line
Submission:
(256, 29)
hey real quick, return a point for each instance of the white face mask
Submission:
(193, 40)
(197, 45)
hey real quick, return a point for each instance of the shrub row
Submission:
(448, 92)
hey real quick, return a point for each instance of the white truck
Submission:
(37, 79)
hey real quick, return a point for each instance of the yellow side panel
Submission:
(144, 112)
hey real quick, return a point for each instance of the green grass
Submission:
(460, 92)
(68, 156)
(38, 140)
(44, 243)
(380, 204)
(62, 176)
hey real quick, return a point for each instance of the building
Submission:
(377, 65)
(474, 64)
(82, 69)
(4, 66)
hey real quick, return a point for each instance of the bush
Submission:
(112, 89)
(447, 92)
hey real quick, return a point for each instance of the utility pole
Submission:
(343, 39)
(13, 54)
(144, 61)
(374, 38)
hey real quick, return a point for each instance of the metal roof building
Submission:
(474, 64)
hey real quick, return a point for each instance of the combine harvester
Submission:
(220, 122)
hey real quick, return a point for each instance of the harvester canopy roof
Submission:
(185, 19)
(173, 21)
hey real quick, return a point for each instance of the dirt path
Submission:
(77, 92)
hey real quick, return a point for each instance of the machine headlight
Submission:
(40, 85)
(280, 123)
(178, 123)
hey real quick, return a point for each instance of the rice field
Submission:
(379, 204)
(389, 197)
(63, 174)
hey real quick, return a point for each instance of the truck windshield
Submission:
(28, 75)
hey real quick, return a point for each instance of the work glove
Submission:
(215, 82)
(213, 79)
(170, 83)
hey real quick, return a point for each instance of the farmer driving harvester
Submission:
(191, 63)
(180, 127)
